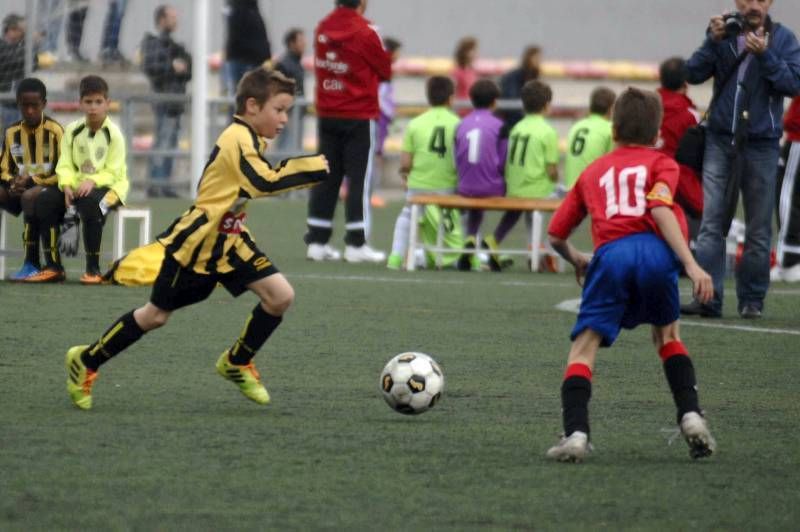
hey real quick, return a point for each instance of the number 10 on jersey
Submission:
(620, 203)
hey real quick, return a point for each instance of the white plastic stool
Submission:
(126, 213)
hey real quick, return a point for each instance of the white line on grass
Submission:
(409, 280)
(572, 305)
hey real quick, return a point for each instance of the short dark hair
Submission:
(32, 85)
(484, 93)
(439, 89)
(601, 101)
(391, 44)
(290, 36)
(11, 21)
(637, 117)
(262, 84)
(93, 85)
(160, 13)
(352, 4)
(535, 96)
(672, 73)
(463, 48)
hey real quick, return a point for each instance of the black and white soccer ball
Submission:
(412, 383)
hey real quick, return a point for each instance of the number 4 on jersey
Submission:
(620, 203)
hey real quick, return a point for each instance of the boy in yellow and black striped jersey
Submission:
(28, 180)
(209, 243)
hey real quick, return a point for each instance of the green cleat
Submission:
(245, 377)
(79, 378)
(395, 262)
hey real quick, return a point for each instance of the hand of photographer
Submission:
(755, 42)
(716, 28)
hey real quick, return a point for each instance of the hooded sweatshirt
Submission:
(349, 62)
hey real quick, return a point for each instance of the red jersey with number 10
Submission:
(617, 191)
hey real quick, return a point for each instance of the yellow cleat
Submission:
(79, 378)
(245, 377)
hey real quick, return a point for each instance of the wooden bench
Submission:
(535, 206)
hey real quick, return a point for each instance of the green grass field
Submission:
(171, 446)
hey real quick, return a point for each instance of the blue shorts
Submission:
(630, 281)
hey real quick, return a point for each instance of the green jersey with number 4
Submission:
(588, 140)
(429, 139)
(532, 146)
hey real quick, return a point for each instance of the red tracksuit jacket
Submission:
(349, 62)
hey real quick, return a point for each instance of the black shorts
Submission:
(177, 287)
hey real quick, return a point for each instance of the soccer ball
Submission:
(412, 383)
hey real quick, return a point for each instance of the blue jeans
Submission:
(725, 173)
(113, 25)
(51, 15)
(232, 72)
(166, 138)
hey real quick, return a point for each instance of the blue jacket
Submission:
(769, 78)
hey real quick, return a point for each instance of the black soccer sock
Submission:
(258, 328)
(679, 371)
(52, 256)
(576, 390)
(30, 238)
(92, 236)
(124, 332)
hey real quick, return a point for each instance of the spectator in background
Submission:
(387, 106)
(741, 147)
(291, 66)
(512, 82)
(349, 62)
(788, 256)
(590, 137)
(169, 68)
(77, 17)
(51, 15)
(680, 114)
(247, 44)
(464, 73)
(109, 44)
(12, 66)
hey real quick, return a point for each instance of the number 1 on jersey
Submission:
(474, 138)
(622, 205)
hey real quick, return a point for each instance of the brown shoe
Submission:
(48, 275)
(91, 278)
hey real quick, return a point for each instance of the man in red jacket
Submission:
(679, 115)
(788, 253)
(349, 62)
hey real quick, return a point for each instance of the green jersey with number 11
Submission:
(429, 139)
(588, 140)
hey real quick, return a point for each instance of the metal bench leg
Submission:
(119, 235)
(3, 231)
(439, 239)
(413, 231)
(536, 240)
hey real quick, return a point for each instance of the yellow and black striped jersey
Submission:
(211, 236)
(33, 152)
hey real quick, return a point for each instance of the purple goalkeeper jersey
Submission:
(480, 155)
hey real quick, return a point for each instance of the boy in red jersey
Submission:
(639, 236)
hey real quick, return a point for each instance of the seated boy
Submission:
(209, 243)
(639, 236)
(427, 165)
(480, 147)
(590, 137)
(92, 170)
(28, 181)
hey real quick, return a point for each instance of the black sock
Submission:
(575, 394)
(680, 376)
(52, 256)
(257, 329)
(124, 332)
(92, 236)
(30, 238)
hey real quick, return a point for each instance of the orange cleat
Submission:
(48, 275)
(377, 201)
(91, 278)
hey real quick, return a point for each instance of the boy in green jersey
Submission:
(589, 138)
(427, 166)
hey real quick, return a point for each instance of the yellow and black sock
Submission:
(576, 390)
(258, 328)
(679, 371)
(30, 237)
(52, 256)
(124, 332)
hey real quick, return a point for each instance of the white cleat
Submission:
(792, 274)
(363, 254)
(573, 448)
(695, 430)
(776, 274)
(322, 252)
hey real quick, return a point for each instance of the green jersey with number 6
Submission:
(429, 139)
(588, 140)
(532, 146)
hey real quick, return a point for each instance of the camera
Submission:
(734, 24)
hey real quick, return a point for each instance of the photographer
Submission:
(755, 63)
